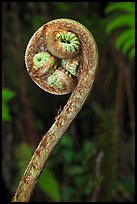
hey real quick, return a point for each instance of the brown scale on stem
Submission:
(74, 55)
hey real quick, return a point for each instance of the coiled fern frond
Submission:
(122, 17)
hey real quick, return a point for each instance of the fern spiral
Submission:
(67, 51)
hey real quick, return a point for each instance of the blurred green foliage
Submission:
(49, 184)
(108, 144)
(81, 166)
(122, 17)
(78, 165)
(7, 95)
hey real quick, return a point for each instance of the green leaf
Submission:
(5, 113)
(7, 94)
(23, 154)
(124, 36)
(121, 21)
(131, 54)
(87, 190)
(122, 6)
(48, 184)
(126, 39)
(128, 45)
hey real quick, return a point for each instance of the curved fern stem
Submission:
(85, 78)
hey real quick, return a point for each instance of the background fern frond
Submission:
(122, 18)
(128, 45)
(132, 53)
(122, 6)
(121, 21)
(124, 36)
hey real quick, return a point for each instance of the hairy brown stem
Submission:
(69, 112)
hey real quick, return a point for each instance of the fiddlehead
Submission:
(61, 57)
(43, 64)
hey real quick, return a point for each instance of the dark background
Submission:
(94, 161)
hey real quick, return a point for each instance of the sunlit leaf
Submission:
(125, 22)
(7, 95)
(23, 154)
(124, 37)
(132, 53)
(128, 45)
(122, 6)
(121, 21)
(5, 113)
(48, 184)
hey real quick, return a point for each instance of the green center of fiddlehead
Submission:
(70, 65)
(59, 73)
(53, 81)
(43, 64)
(62, 43)
(42, 59)
(60, 79)
(68, 41)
